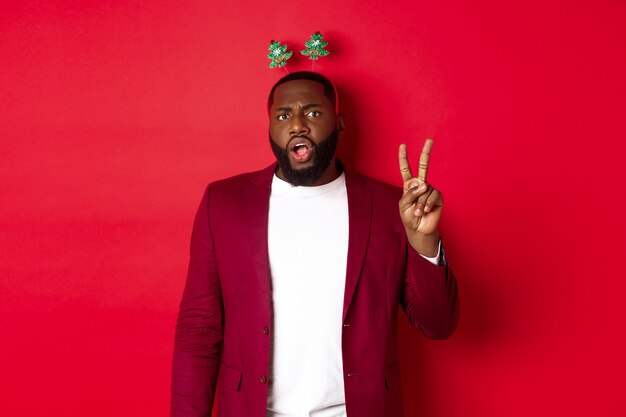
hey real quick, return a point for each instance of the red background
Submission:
(115, 115)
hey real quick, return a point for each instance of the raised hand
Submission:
(421, 204)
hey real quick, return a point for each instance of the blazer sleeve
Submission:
(199, 328)
(430, 297)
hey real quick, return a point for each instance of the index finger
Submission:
(424, 158)
(405, 169)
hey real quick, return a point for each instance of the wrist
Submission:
(426, 245)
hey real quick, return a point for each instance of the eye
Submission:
(313, 113)
(282, 116)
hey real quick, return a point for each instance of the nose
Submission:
(298, 126)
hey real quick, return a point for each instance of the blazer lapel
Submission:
(360, 218)
(255, 212)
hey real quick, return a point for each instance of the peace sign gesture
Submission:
(421, 204)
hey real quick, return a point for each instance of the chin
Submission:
(296, 166)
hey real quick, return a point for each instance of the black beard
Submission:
(323, 154)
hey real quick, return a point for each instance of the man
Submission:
(296, 272)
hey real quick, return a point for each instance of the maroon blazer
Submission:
(225, 317)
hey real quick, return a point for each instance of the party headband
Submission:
(314, 49)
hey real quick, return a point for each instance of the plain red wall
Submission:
(115, 114)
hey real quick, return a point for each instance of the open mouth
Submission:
(301, 149)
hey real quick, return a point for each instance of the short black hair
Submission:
(329, 89)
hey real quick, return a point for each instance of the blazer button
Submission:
(266, 330)
(263, 379)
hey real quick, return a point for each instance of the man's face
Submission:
(303, 131)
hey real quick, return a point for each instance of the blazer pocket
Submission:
(392, 376)
(231, 378)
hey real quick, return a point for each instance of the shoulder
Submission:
(379, 188)
(239, 182)
(384, 200)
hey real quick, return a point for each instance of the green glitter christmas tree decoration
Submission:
(315, 47)
(278, 54)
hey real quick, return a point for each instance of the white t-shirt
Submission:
(308, 251)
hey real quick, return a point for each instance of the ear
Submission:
(341, 124)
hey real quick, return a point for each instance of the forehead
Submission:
(300, 91)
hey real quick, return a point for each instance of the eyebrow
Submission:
(305, 107)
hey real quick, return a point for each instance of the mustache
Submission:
(295, 137)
